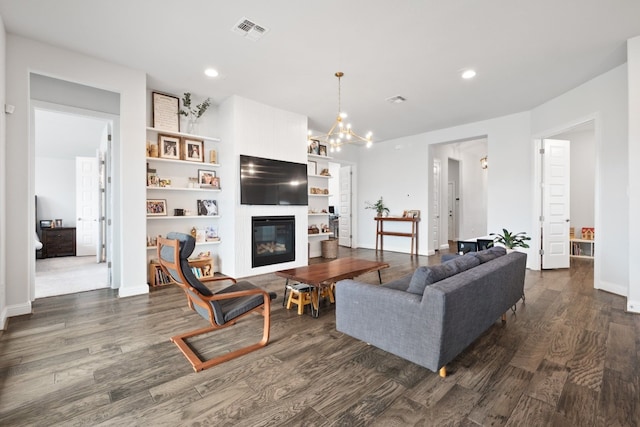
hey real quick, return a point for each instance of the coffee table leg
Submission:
(379, 277)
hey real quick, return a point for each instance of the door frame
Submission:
(536, 235)
(113, 124)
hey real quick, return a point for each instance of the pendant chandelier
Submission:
(340, 133)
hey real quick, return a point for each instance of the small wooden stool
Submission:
(301, 295)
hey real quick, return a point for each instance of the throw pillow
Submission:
(491, 253)
(425, 276)
(466, 262)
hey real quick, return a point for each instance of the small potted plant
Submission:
(512, 240)
(379, 207)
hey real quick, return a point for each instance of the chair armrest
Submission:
(236, 294)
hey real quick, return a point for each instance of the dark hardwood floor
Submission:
(568, 357)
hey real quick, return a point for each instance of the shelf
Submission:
(316, 156)
(186, 135)
(184, 217)
(210, 190)
(320, 234)
(215, 242)
(318, 214)
(182, 162)
(319, 195)
(320, 176)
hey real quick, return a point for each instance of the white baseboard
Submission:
(445, 247)
(633, 306)
(124, 292)
(16, 310)
(614, 288)
(3, 320)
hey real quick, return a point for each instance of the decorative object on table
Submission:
(205, 178)
(165, 112)
(164, 182)
(325, 172)
(156, 207)
(153, 150)
(213, 157)
(378, 206)
(415, 213)
(193, 113)
(207, 207)
(46, 223)
(511, 240)
(58, 223)
(178, 212)
(313, 229)
(169, 147)
(340, 133)
(192, 150)
(588, 233)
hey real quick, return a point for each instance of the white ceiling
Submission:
(525, 52)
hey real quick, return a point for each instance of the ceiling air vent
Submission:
(396, 99)
(249, 29)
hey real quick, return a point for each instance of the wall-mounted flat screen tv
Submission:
(272, 182)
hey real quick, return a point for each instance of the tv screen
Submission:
(272, 182)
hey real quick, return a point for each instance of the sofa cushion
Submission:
(491, 253)
(466, 262)
(425, 276)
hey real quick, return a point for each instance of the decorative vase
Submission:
(192, 125)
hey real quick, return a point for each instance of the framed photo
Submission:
(313, 146)
(156, 207)
(205, 178)
(215, 183)
(413, 214)
(169, 147)
(165, 112)
(207, 208)
(152, 179)
(46, 223)
(58, 223)
(322, 150)
(193, 150)
(312, 168)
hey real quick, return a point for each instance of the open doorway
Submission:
(71, 146)
(459, 194)
(578, 231)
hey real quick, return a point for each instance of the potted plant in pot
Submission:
(512, 240)
(379, 207)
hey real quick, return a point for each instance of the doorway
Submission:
(577, 222)
(66, 140)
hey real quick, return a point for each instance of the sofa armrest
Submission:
(393, 320)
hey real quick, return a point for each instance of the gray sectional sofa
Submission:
(430, 316)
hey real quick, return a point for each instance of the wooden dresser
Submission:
(59, 241)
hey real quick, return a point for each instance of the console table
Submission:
(380, 233)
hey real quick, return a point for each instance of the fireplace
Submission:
(273, 240)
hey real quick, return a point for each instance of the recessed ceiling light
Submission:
(469, 74)
(210, 72)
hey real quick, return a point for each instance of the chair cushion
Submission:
(425, 276)
(491, 253)
(229, 309)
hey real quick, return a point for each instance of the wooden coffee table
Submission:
(327, 273)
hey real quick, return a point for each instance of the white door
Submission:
(87, 205)
(555, 203)
(436, 204)
(344, 222)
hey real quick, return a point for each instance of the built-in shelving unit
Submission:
(318, 202)
(181, 198)
(581, 248)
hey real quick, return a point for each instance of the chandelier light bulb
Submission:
(343, 115)
(369, 144)
(468, 74)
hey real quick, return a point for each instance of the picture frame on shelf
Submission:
(193, 150)
(211, 233)
(215, 183)
(153, 180)
(156, 207)
(312, 167)
(165, 112)
(205, 178)
(168, 147)
(322, 150)
(207, 208)
(312, 148)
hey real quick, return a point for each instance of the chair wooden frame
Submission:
(195, 297)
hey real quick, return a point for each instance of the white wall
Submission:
(633, 190)
(252, 128)
(25, 56)
(55, 186)
(603, 99)
(3, 180)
